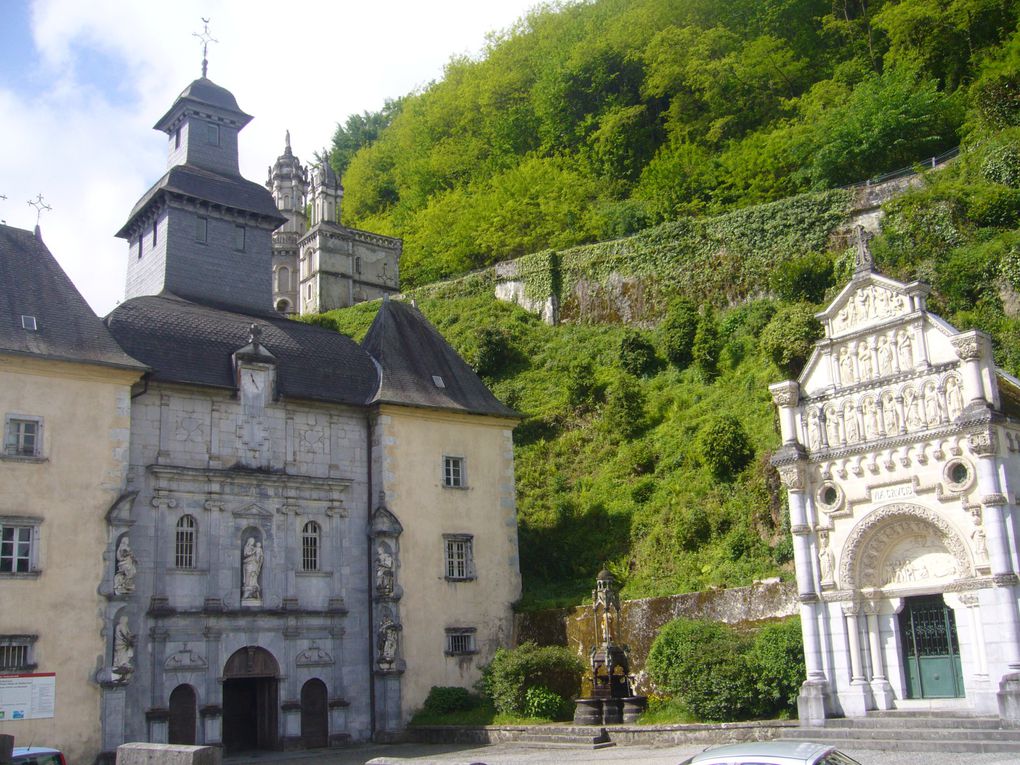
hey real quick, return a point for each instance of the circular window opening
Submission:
(829, 495)
(958, 473)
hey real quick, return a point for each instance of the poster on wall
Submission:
(27, 696)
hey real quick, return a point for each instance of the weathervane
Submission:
(206, 38)
(39, 206)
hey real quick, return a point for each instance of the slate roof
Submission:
(186, 342)
(411, 353)
(205, 92)
(32, 283)
(227, 190)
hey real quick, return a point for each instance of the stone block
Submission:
(167, 754)
(1009, 698)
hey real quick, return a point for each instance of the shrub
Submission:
(724, 446)
(776, 659)
(495, 352)
(998, 99)
(1002, 165)
(702, 664)
(637, 355)
(803, 279)
(706, 346)
(624, 412)
(443, 699)
(541, 702)
(790, 336)
(677, 332)
(582, 388)
(512, 671)
(994, 206)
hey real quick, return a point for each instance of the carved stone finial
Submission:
(254, 334)
(863, 262)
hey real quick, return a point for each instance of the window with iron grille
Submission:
(184, 542)
(16, 653)
(453, 472)
(310, 534)
(18, 546)
(23, 436)
(459, 557)
(460, 640)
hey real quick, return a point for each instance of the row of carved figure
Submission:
(868, 304)
(889, 413)
(252, 558)
(875, 357)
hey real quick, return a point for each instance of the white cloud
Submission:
(110, 69)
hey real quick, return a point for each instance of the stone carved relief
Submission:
(832, 426)
(869, 304)
(127, 568)
(864, 361)
(899, 544)
(311, 440)
(885, 357)
(387, 640)
(912, 404)
(826, 560)
(313, 656)
(846, 367)
(967, 346)
(954, 398)
(851, 426)
(385, 577)
(905, 350)
(814, 430)
(185, 660)
(190, 429)
(123, 651)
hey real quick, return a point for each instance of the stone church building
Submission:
(313, 532)
(319, 264)
(901, 457)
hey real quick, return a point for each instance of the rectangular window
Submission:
(201, 229)
(453, 472)
(29, 323)
(460, 641)
(140, 240)
(310, 546)
(212, 134)
(184, 542)
(23, 436)
(239, 238)
(16, 653)
(177, 138)
(18, 545)
(459, 558)
(357, 265)
(155, 233)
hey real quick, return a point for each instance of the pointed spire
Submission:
(286, 149)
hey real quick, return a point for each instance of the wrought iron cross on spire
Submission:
(40, 206)
(205, 39)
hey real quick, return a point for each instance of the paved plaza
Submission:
(535, 754)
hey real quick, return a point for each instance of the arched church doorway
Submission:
(931, 649)
(182, 715)
(250, 703)
(314, 715)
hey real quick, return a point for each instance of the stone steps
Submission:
(573, 736)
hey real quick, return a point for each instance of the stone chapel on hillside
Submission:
(312, 533)
(324, 265)
(901, 457)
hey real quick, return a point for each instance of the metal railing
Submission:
(925, 164)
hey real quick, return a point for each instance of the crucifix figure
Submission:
(205, 39)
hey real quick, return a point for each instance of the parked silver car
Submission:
(771, 753)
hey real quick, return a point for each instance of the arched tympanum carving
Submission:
(902, 545)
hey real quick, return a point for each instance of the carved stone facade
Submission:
(901, 456)
(319, 264)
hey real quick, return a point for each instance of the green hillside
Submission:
(647, 446)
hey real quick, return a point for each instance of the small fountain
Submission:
(612, 700)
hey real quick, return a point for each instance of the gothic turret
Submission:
(288, 182)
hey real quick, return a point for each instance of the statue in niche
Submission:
(826, 560)
(814, 431)
(931, 405)
(891, 414)
(915, 421)
(251, 567)
(832, 427)
(872, 428)
(853, 434)
(905, 350)
(885, 356)
(881, 303)
(864, 360)
(864, 304)
(980, 544)
(387, 641)
(954, 398)
(846, 367)
(127, 567)
(384, 577)
(123, 651)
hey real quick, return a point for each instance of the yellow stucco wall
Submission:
(414, 442)
(85, 411)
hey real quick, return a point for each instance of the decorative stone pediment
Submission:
(313, 656)
(185, 660)
(903, 546)
(865, 303)
(255, 511)
(119, 513)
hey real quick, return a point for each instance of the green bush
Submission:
(495, 351)
(703, 665)
(512, 672)
(637, 355)
(541, 702)
(582, 387)
(444, 699)
(706, 346)
(776, 659)
(790, 336)
(803, 279)
(624, 413)
(998, 99)
(995, 206)
(677, 332)
(724, 446)
(1002, 165)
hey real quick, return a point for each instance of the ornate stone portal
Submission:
(612, 700)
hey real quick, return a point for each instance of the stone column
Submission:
(969, 346)
(880, 687)
(855, 700)
(786, 395)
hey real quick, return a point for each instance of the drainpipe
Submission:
(370, 580)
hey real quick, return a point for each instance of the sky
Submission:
(82, 84)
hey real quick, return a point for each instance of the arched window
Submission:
(282, 306)
(184, 542)
(283, 279)
(310, 534)
(182, 716)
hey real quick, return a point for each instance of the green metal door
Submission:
(931, 650)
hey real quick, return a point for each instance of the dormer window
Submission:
(212, 134)
(28, 322)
